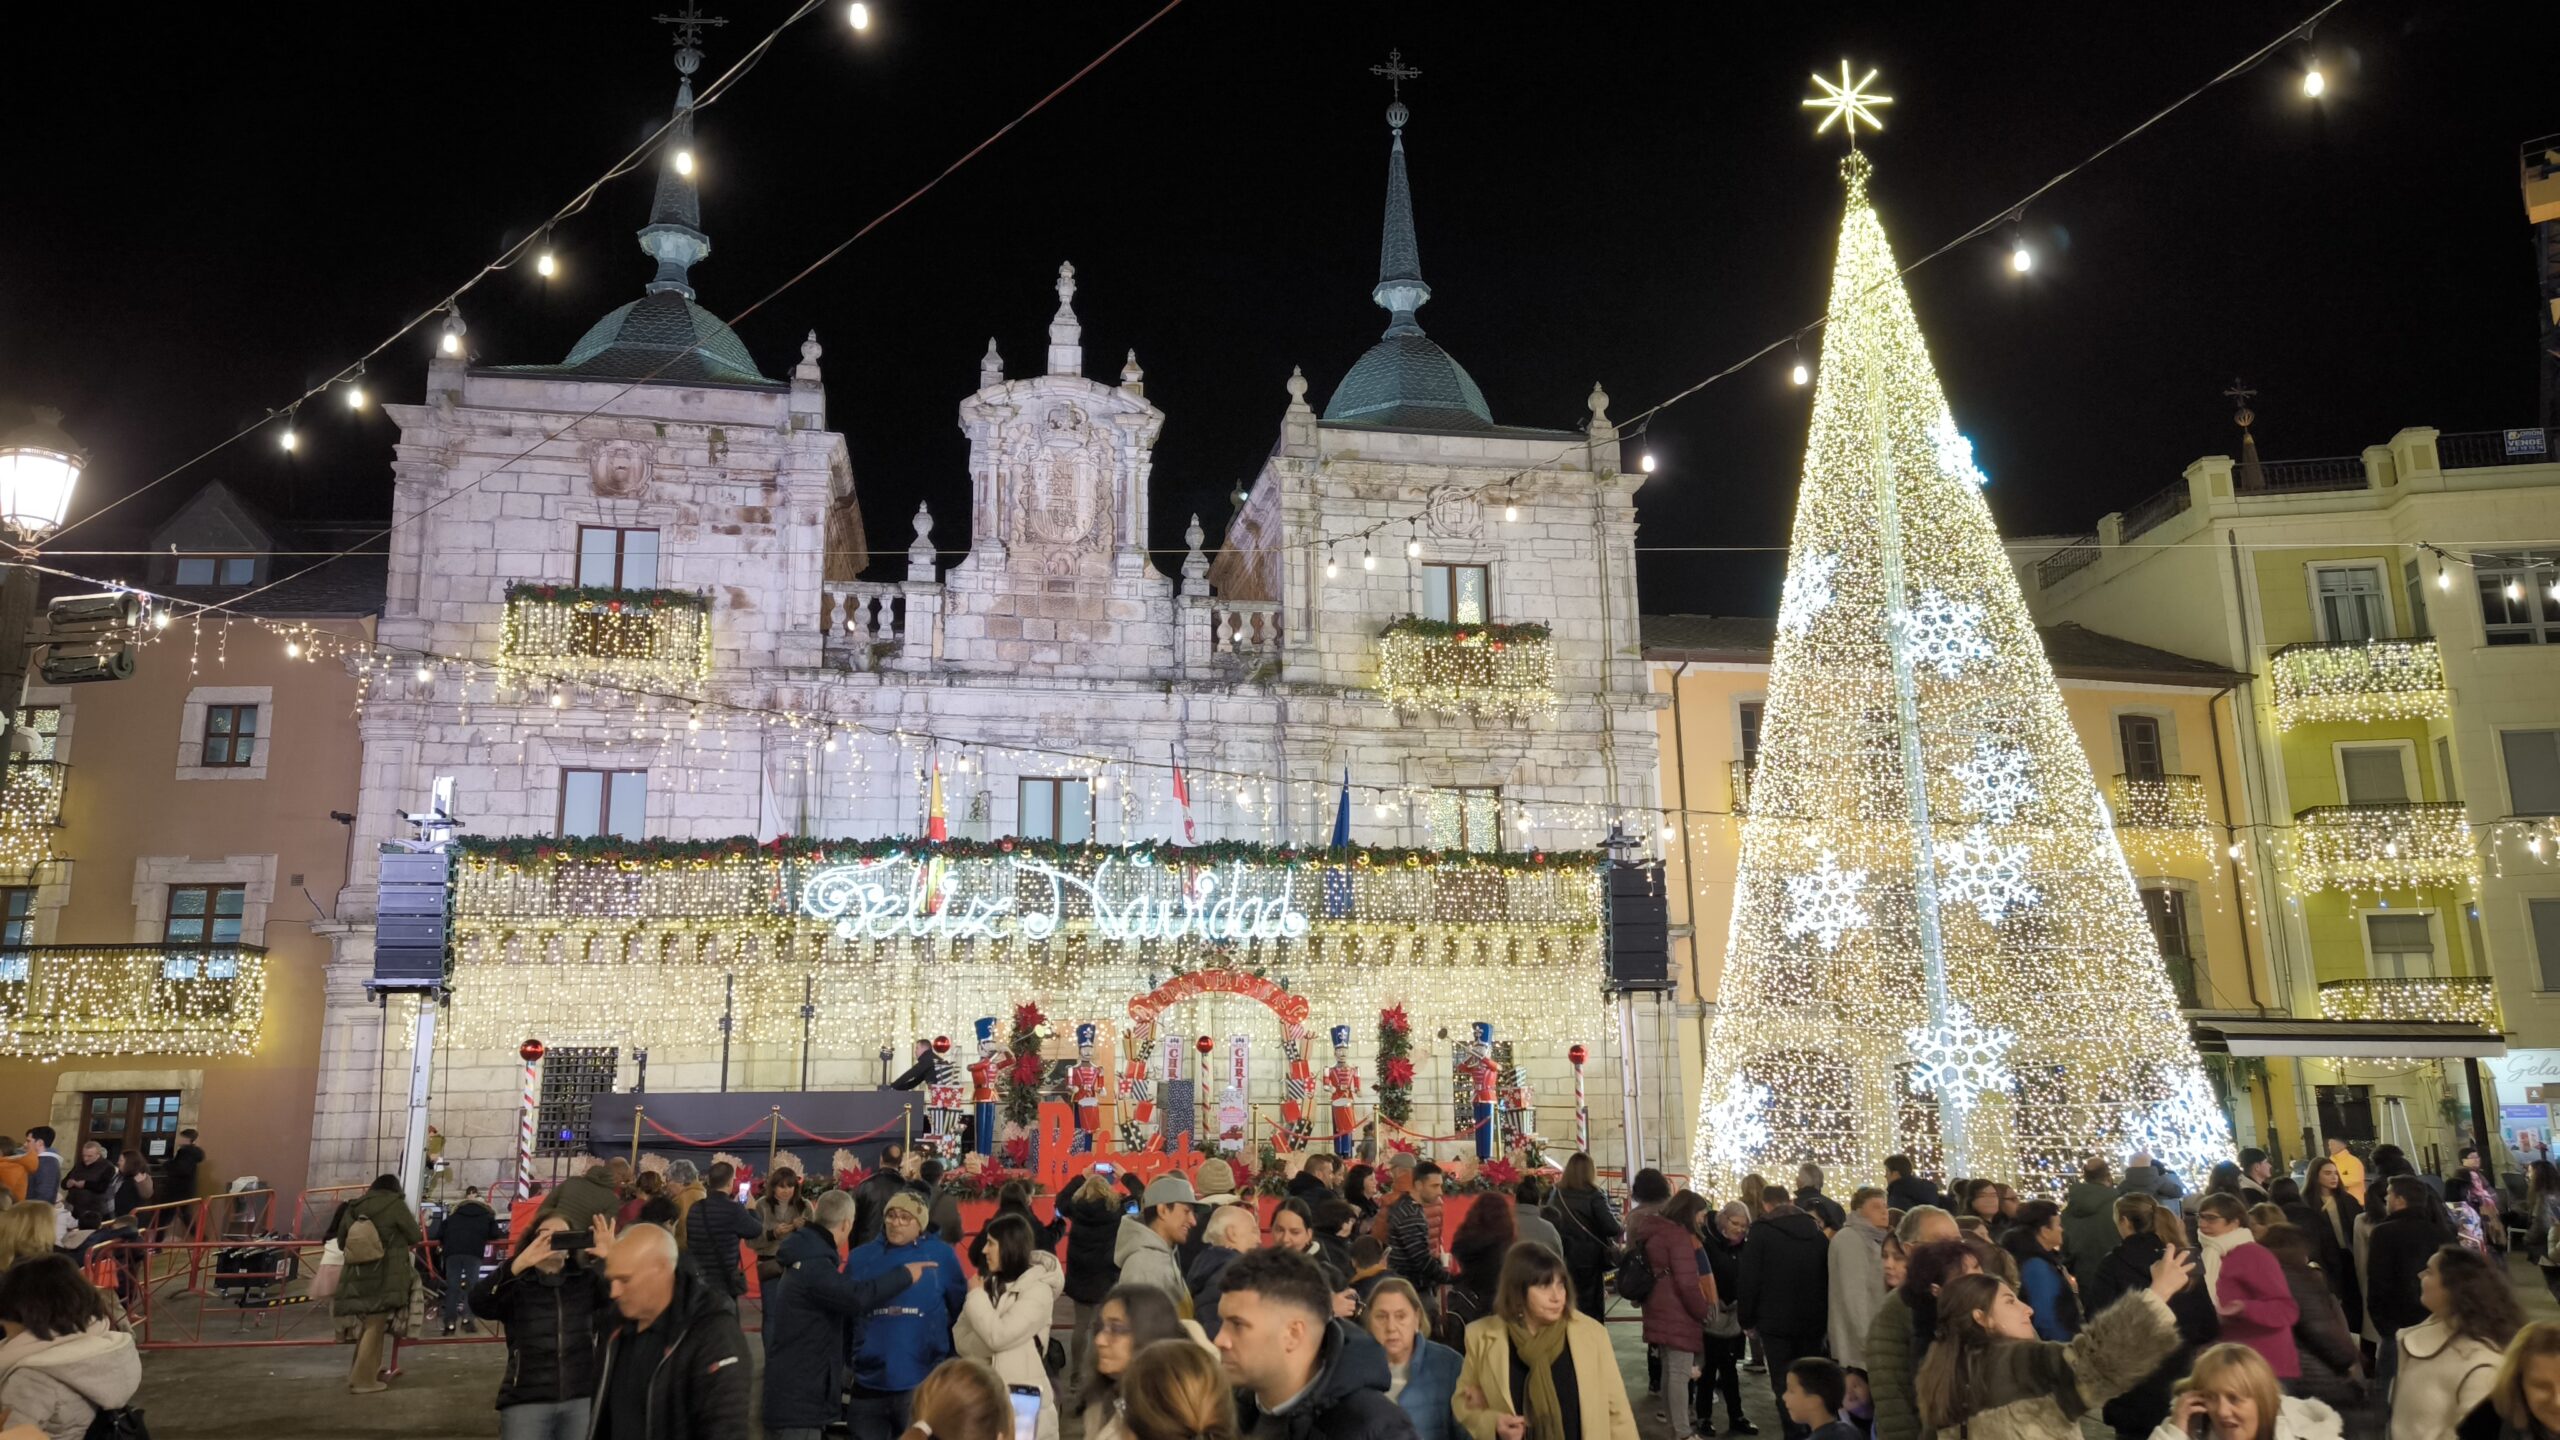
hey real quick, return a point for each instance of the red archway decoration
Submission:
(1144, 1010)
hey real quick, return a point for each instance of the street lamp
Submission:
(39, 468)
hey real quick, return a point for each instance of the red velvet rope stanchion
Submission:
(1410, 1133)
(788, 1124)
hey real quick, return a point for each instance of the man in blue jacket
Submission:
(904, 1336)
(812, 1315)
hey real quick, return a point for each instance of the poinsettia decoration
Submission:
(1021, 1079)
(1500, 1173)
(1395, 1064)
(988, 1183)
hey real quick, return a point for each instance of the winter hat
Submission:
(1216, 1182)
(906, 1200)
(1169, 1188)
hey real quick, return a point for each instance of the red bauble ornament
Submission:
(941, 1044)
(530, 1051)
(1204, 1045)
(1577, 1054)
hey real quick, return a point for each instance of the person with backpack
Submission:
(714, 1225)
(376, 1234)
(1591, 1233)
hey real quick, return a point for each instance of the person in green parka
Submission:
(374, 1293)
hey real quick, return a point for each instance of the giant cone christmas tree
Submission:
(1937, 947)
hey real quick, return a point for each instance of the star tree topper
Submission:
(1848, 104)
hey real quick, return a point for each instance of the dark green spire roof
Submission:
(1406, 381)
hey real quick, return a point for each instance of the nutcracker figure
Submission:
(1518, 1124)
(1234, 1114)
(1084, 1084)
(982, 1085)
(1344, 1081)
(1297, 1084)
(942, 1101)
(1481, 1077)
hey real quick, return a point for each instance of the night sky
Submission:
(214, 207)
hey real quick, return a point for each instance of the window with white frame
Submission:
(2533, 771)
(2546, 943)
(2350, 602)
(2171, 909)
(1747, 730)
(2400, 946)
(1459, 594)
(2374, 774)
(1056, 809)
(1466, 817)
(604, 802)
(2145, 757)
(612, 558)
(2413, 592)
(2516, 607)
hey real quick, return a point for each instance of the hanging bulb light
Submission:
(355, 394)
(543, 264)
(2021, 259)
(290, 441)
(558, 699)
(2313, 82)
(2444, 577)
(1368, 561)
(2514, 590)
(1511, 509)
(2234, 851)
(1332, 563)
(859, 16)
(451, 344)
(160, 619)
(425, 675)
(1801, 374)
(831, 742)
(693, 722)
(293, 649)
(684, 160)
(1412, 542)
(1646, 462)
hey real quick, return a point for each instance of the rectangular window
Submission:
(1059, 810)
(572, 1077)
(17, 915)
(45, 723)
(2404, 946)
(603, 802)
(230, 735)
(613, 559)
(1456, 593)
(2173, 925)
(239, 569)
(2533, 771)
(2515, 605)
(218, 569)
(204, 915)
(2413, 589)
(1466, 817)
(2352, 605)
(2374, 774)
(2444, 770)
(195, 570)
(1750, 732)
(2546, 944)
(2139, 737)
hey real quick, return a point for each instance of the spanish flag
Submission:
(936, 827)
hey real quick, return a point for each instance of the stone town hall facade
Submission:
(1050, 675)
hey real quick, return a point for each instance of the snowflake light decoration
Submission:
(1941, 633)
(1737, 1123)
(1823, 902)
(2186, 1130)
(1996, 786)
(1978, 870)
(1960, 1062)
(1807, 592)
(1955, 452)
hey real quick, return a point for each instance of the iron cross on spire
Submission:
(1397, 72)
(689, 33)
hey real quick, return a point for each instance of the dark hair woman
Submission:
(2149, 1230)
(2327, 1218)
(1905, 1325)
(2332, 1368)
(546, 1299)
(1360, 1187)
(2036, 1243)
(1481, 1240)
(2411, 1228)
(1539, 1358)
(1092, 1210)
(1005, 1320)
(1982, 1202)
(1132, 1317)
(1989, 1370)
(64, 1360)
(2449, 1361)
(1682, 1301)
(1590, 1231)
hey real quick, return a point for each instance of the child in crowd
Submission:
(1816, 1389)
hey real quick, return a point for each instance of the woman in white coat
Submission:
(1005, 1321)
(2234, 1391)
(2449, 1361)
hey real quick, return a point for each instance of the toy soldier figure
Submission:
(1480, 1078)
(942, 1100)
(982, 1086)
(1344, 1081)
(1084, 1083)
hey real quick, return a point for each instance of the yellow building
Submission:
(2158, 729)
(2397, 612)
(166, 852)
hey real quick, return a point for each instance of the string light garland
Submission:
(1934, 928)
(2165, 814)
(2384, 847)
(2358, 681)
(660, 637)
(2442, 999)
(59, 1001)
(30, 811)
(1507, 671)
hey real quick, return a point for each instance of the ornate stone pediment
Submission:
(1061, 468)
(620, 469)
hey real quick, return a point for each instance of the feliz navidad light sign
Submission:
(1127, 903)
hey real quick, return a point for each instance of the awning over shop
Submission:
(2347, 1039)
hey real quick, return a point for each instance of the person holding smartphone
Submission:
(811, 1312)
(2233, 1394)
(547, 1297)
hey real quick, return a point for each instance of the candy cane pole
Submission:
(1581, 1106)
(530, 1052)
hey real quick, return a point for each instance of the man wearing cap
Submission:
(906, 1335)
(1216, 1182)
(1145, 1247)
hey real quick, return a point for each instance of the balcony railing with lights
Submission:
(2445, 999)
(1740, 772)
(30, 811)
(96, 1000)
(653, 635)
(2166, 812)
(2358, 681)
(1506, 671)
(2384, 847)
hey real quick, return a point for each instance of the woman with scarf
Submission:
(2327, 1219)
(2247, 1284)
(2044, 1279)
(1539, 1364)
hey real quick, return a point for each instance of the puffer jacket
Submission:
(60, 1385)
(381, 1287)
(2039, 1389)
(1786, 1278)
(1893, 1361)
(581, 1198)
(1676, 1308)
(2088, 1227)
(1011, 1332)
(2133, 1414)
(1092, 1231)
(551, 1330)
(2330, 1361)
